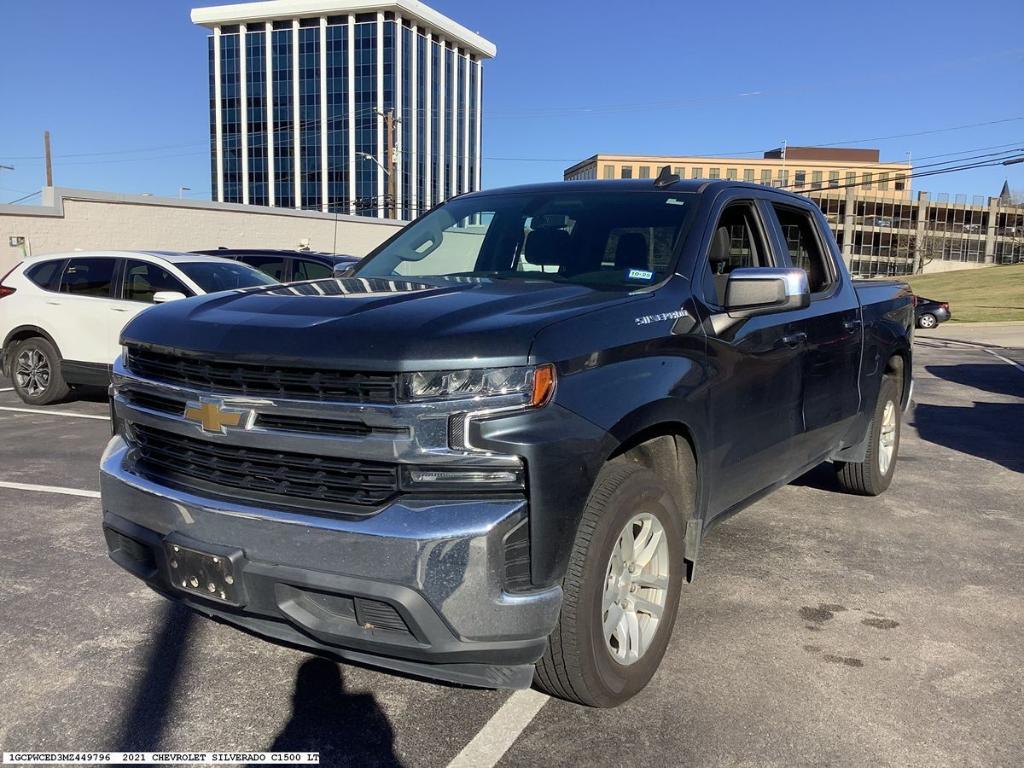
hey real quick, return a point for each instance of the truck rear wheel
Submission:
(873, 475)
(621, 591)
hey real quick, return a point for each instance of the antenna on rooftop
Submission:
(665, 178)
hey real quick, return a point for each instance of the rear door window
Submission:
(307, 269)
(274, 266)
(142, 280)
(805, 247)
(46, 274)
(88, 277)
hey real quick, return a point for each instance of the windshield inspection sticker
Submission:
(648, 319)
(640, 274)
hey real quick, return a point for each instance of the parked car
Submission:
(491, 455)
(288, 266)
(929, 313)
(61, 315)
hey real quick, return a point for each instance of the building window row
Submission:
(802, 179)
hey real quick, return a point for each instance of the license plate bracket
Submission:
(211, 572)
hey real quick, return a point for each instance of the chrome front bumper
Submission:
(438, 564)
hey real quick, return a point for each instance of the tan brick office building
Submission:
(882, 228)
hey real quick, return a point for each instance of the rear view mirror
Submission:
(752, 292)
(344, 269)
(162, 297)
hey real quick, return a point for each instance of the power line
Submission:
(26, 197)
(107, 153)
(919, 174)
(973, 149)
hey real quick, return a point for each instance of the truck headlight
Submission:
(535, 384)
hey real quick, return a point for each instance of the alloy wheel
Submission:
(887, 437)
(635, 589)
(32, 372)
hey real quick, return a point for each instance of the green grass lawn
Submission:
(991, 294)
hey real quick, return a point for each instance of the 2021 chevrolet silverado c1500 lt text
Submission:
(489, 455)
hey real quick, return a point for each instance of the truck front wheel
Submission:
(873, 475)
(621, 591)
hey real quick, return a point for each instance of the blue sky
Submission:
(571, 78)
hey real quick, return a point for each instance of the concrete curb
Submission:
(985, 324)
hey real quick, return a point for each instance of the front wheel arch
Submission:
(669, 450)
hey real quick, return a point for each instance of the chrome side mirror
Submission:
(344, 270)
(751, 292)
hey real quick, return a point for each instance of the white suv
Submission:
(61, 315)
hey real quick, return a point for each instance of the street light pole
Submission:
(182, 190)
(390, 181)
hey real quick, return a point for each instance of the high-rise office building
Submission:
(305, 93)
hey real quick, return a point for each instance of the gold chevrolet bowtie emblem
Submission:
(213, 417)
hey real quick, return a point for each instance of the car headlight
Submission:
(534, 384)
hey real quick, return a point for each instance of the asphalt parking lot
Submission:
(822, 628)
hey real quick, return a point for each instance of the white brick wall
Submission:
(77, 219)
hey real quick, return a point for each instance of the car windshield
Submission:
(213, 276)
(604, 238)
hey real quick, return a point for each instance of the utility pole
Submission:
(49, 158)
(389, 163)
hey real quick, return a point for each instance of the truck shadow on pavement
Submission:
(997, 378)
(346, 729)
(990, 431)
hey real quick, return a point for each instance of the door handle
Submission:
(851, 325)
(53, 303)
(793, 340)
(119, 309)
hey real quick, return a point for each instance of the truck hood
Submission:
(370, 323)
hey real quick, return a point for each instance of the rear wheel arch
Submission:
(898, 366)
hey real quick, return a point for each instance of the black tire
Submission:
(578, 665)
(866, 478)
(35, 390)
(928, 321)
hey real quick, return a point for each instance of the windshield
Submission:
(213, 276)
(604, 238)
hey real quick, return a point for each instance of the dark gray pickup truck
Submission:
(490, 454)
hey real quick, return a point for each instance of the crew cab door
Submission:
(754, 394)
(830, 328)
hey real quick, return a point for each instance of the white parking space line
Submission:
(501, 731)
(1007, 360)
(49, 489)
(55, 413)
(6, 389)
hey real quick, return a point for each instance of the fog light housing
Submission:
(461, 478)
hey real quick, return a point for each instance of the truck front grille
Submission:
(287, 478)
(253, 379)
